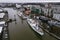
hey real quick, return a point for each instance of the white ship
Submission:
(34, 25)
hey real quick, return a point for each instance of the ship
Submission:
(35, 26)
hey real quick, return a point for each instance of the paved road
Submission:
(20, 30)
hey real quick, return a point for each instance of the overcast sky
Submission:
(27, 1)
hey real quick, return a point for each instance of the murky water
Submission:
(20, 30)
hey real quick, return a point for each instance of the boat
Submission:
(2, 15)
(3, 11)
(44, 19)
(1, 30)
(54, 23)
(35, 26)
(22, 15)
(2, 23)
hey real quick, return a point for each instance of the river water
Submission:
(20, 30)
